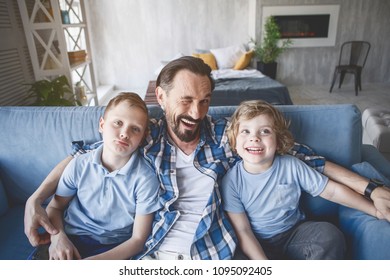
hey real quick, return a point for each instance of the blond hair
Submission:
(248, 110)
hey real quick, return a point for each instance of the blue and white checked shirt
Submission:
(214, 238)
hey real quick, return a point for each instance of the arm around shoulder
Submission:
(343, 195)
(34, 215)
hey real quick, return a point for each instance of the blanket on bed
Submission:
(234, 91)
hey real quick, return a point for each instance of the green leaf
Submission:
(269, 50)
(56, 92)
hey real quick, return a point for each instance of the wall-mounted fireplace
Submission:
(303, 26)
(307, 26)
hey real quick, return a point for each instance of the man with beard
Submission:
(190, 153)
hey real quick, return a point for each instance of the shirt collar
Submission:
(125, 170)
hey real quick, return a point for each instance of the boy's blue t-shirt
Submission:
(105, 203)
(271, 199)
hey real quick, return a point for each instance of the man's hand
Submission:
(381, 198)
(61, 248)
(34, 218)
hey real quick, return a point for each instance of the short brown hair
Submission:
(132, 99)
(193, 64)
(250, 109)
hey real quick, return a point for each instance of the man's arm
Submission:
(35, 216)
(380, 196)
(343, 195)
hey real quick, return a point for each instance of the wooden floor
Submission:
(371, 95)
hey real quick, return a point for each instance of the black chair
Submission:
(353, 56)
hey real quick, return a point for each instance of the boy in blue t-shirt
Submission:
(110, 194)
(261, 193)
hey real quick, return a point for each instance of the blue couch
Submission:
(34, 139)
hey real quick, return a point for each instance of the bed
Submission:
(234, 86)
(235, 80)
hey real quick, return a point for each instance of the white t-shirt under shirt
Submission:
(271, 199)
(194, 192)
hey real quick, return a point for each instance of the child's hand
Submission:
(379, 215)
(381, 198)
(61, 248)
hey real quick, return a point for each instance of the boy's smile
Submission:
(256, 143)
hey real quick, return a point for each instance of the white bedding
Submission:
(231, 73)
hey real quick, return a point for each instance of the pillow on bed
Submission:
(244, 61)
(201, 51)
(227, 57)
(165, 62)
(207, 58)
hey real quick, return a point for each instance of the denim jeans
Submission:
(85, 245)
(306, 241)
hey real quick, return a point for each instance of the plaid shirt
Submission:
(214, 238)
(307, 155)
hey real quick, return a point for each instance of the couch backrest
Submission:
(3, 200)
(34, 139)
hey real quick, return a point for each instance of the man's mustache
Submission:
(188, 118)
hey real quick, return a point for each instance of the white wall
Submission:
(358, 20)
(131, 37)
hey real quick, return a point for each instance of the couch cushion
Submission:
(34, 139)
(3, 200)
(13, 243)
(207, 58)
(376, 159)
(227, 57)
(333, 131)
(367, 170)
(367, 237)
(244, 60)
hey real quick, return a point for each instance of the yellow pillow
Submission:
(243, 61)
(207, 58)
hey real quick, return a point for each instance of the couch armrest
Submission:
(3, 199)
(376, 159)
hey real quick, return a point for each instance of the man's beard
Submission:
(188, 135)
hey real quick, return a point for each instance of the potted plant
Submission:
(56, 92)
(268, 52)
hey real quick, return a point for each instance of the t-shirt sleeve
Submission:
(308, 156)
(231, 198)
(147, 194)
(67, 183)
(311, 181)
